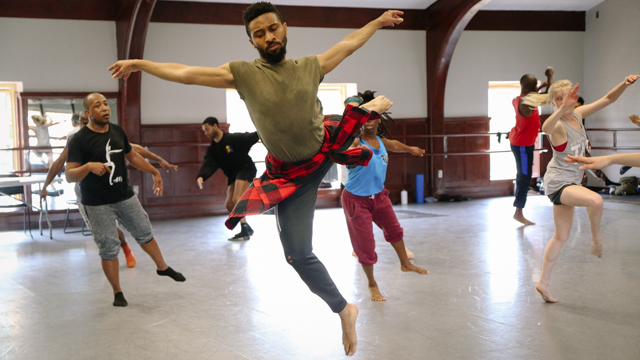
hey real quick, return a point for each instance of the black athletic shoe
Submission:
(241, 236)
(610, 183)
(246, 229)
(624, 169)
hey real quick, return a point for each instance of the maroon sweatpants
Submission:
(361, 212)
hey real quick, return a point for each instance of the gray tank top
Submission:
(560, 172)
(42, 134)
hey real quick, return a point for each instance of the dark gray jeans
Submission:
(294, 217)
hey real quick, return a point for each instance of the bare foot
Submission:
(519, 217)
(375, 294)
(409, 254)
(411, 267)
(546, 293)
(348, 317)
(596, 248)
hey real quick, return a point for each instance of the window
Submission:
(9, 160)
(502, 114)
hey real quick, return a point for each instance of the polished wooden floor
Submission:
(242, 300)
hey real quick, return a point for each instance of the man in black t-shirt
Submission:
(96, 159)
(230, 152)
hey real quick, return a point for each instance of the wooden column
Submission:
(446, 20)
(132, 21)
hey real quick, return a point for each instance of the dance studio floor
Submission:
(242, 300)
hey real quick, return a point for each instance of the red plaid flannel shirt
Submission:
(281, 179)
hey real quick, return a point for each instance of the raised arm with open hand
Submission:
(352, 42)
(611, 97)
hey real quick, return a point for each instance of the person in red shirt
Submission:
(523, 137)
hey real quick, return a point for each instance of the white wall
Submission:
(612, 51)
(58, 55)
(483, 56)
(392, 62)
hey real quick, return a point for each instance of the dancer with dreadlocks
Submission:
(366, 201)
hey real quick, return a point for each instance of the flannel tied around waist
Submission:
(281, 179)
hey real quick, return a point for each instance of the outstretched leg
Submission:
(563, 219)
(294, 217)
(132, 217)
(405, 264)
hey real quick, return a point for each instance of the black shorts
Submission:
(244, 174)
(555, 197)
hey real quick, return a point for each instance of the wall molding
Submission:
(304, 16)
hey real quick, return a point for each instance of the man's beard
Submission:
(275, 57)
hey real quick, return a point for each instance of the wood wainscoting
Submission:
(469, 175)
(185, 146)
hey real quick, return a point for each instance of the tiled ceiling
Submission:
(535, 5)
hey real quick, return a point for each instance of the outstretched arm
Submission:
(219, 77)
(152, 156)
(139, 163)
(334, 56)
(208, 168)
(397, 146)
(610, 98)
(599, 162)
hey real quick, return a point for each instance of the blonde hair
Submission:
(544, 99)
(38, 118)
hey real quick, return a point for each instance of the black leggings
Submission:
(294, 217)
(524, 163)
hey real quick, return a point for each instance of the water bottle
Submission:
(404, 197)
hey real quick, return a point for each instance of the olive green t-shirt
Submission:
(283, 103)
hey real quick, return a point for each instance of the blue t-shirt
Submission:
(369, 180)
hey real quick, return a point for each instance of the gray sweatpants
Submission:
(294, 217)
(129, 213)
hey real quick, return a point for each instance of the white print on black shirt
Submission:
(111, 164)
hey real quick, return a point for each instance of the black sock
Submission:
(624, 169)
(246, 228)
(172, 274)
(119, 300)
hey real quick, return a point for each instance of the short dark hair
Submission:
(581, 100)
(211, 121)
(257, 9)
